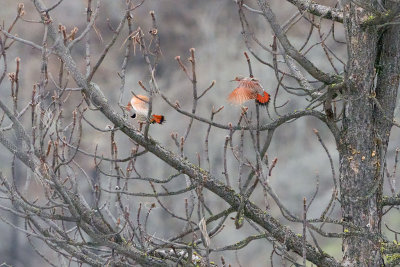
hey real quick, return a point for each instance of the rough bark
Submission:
(365, 131)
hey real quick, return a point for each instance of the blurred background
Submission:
(213, 29)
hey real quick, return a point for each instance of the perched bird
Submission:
(248, 88)
(140, 104)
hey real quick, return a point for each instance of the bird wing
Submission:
(242, 94)
(139, 105)
(252, 84)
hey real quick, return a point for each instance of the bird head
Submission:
(237, 79)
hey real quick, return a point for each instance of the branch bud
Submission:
(20, 9)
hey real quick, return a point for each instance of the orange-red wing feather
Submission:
(249, 88)
(252, 84)
(242, 94)
(140, 103)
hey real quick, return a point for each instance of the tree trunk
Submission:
(371, 80)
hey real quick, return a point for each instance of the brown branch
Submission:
(251, 210)
(93, 93)
(319, 10)
(390, 201)
(313, 8)
(290, 50)
(108, 46)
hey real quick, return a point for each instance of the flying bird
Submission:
(248, 88)
(140, 104)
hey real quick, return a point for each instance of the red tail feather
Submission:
(263, 100)
(157, 119)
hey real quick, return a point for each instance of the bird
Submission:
(248, 88)
(140, 104)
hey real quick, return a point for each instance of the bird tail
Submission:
(157, 119)
(263, 99)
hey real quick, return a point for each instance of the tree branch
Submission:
(319, 10)
(277, 230)
(390, 201)
(78, 207)
(322, 11)
(290, 50)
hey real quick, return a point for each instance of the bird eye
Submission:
(133, 116)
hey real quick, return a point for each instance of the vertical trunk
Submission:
(365, 133)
